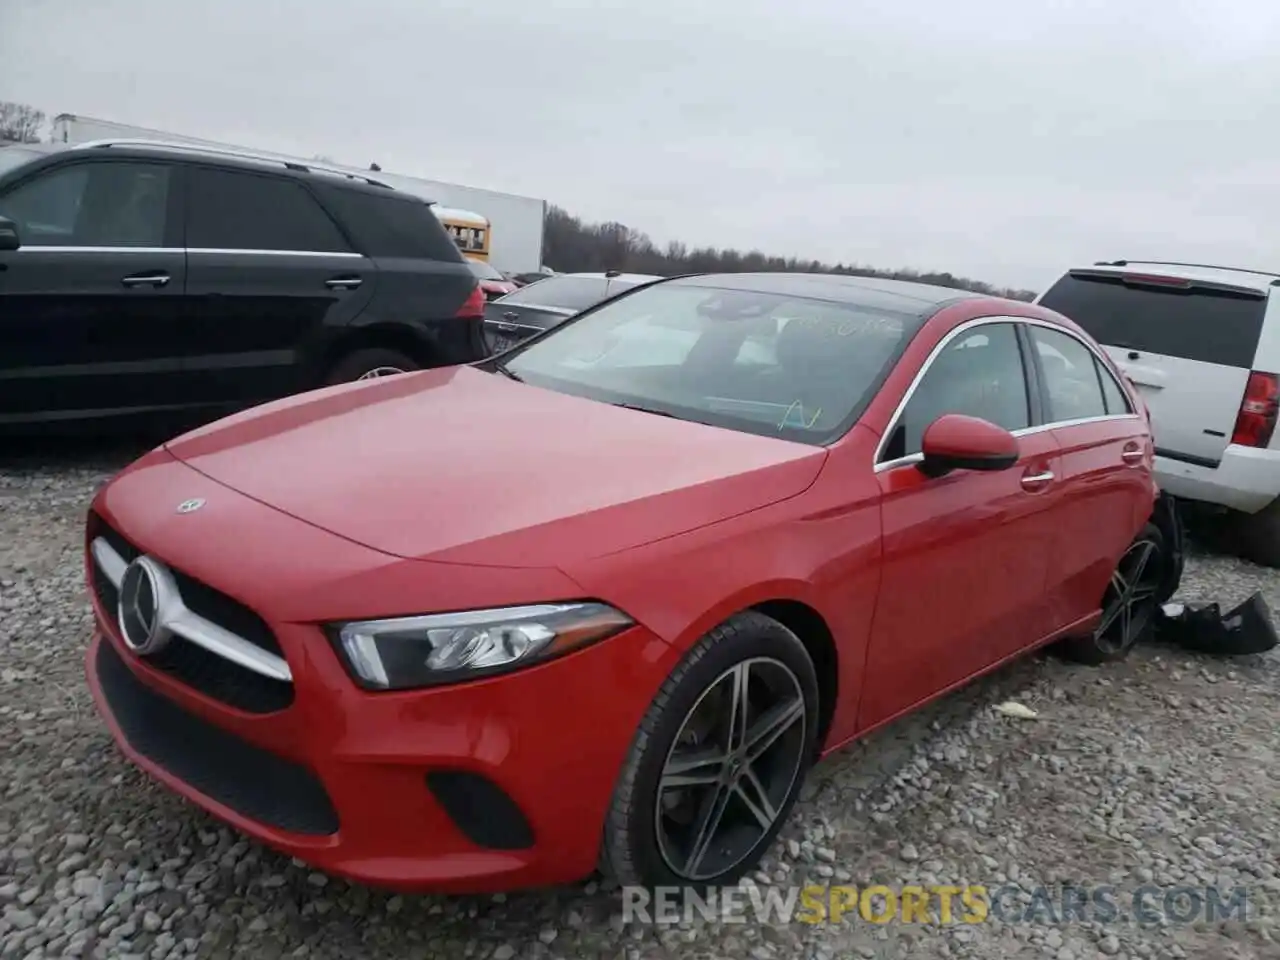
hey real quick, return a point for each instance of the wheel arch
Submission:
(812, 629)
(376, 335)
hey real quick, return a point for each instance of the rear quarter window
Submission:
(1207, 325)
(394, 225)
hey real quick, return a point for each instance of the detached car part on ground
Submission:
(546, 303)
(165, 283)
(756, 517)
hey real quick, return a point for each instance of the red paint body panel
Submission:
(529, 460)
(964, 572)
(457, 489)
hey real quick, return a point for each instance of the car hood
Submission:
(459, 465)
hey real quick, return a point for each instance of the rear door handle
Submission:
(511, 315)
(1037, 481)
(343, 283)
(155, 279)
(1134, 456)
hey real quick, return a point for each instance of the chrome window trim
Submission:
(279, 253)
(34, 248)
(1101, 359)
(879, 466)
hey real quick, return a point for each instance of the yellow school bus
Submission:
(469, 230)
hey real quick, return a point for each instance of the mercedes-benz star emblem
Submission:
(190, 506)
(144, 595)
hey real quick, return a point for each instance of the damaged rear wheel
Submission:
(1130, 604)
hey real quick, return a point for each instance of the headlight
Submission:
(452, 647)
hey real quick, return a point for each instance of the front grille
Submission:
(191, 664)
(254, 782)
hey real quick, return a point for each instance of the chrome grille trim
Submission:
(192, 627)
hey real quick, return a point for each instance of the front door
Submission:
(965, 555)
(91, 303)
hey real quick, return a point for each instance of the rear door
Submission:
(91, 304)
(270, 276)
(1104, 478)
(1187, 345)
(540, 306)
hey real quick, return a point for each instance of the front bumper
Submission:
(495, 784)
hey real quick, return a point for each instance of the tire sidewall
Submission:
(768, 639)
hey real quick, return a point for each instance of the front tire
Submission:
(1129, 605)
(718, 761)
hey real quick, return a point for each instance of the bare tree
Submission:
(20, 122)
(571, 245)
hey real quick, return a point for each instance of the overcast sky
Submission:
(998, 139)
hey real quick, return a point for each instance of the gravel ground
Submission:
(1158, 771)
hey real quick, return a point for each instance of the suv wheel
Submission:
(370, 364)
(1256, 536)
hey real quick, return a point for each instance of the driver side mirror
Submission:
(9, 239)
(958, 442)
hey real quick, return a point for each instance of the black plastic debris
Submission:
(1205, 629)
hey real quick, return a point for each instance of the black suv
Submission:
(160, 280)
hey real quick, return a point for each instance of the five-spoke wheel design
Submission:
(1130, 601)
(718, 760)
(731, 768)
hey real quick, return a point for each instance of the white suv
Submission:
(1202, 345)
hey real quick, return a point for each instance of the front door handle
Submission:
(1132, 456)
(1037, 481)
(156, 279)
(343, 283)
(511, 315)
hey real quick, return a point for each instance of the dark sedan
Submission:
(547, 303)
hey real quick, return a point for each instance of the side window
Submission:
(979, 374)
(1070, 375)
(1117, 402)
(230, 210)
(109, 204)
(392, 225)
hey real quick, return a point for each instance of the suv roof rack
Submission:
(1179, 263)
(298, 165)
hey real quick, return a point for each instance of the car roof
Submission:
(921, 299)
(1259, 281)
(247, 163)
(628, 277)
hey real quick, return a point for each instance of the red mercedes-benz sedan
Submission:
(602, 600)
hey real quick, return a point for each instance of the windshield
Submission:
(568, 293)
(483, 271)
(15, 156)
(787, 367)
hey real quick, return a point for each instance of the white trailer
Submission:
(515, 221)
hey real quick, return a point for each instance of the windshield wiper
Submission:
(502, 369)
(641, 409)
